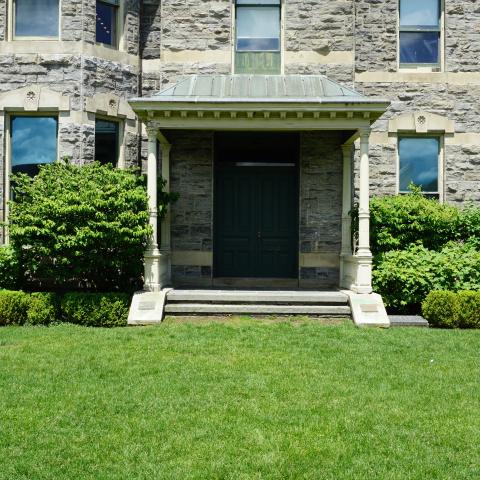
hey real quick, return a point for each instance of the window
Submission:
(36, 18)
(257, 44)
(106, 141)
(419, 159)
(420, 32)
(107, 22)
(33, 143)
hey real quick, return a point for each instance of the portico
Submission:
(327, 118)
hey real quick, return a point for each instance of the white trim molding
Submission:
(421, 122)
(110, 105)
(34, 98)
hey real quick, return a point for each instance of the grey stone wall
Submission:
(3, 19)
(462, 35)
(376, 35)
(319, 25)
(321, 177)
(191, 175)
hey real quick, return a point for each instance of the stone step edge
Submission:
(258, 309)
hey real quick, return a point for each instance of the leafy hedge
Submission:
(399, 221)
(96, 309)
(405, 277)
(9, 268)
(420, 245)
(80, 227)
(452, 310)
(87, 309)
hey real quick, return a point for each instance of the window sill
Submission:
(419, 69)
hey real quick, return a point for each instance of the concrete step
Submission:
(256, 309)
(257, 297)
(408, 321)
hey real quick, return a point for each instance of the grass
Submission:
(239, 399)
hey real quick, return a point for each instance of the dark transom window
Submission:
(106, 141)
(420, 32)
(107, 11)
(36, 18)
(419, 163)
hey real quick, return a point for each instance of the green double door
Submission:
(256, 221)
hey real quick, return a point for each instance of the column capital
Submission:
(151, 131)
(347, 148)
(364, 134)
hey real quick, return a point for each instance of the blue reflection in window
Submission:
(258, 28)
(106, 23)
(36, 18)
(419, 163)
(419, 47)
(425, 13)
(34, 142)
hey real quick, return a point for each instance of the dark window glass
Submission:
(258, 27)
(419, 163)
(36, 18)
(107, 22)
(106, 142)
(419, 47)
(33, 143)
(420, 32)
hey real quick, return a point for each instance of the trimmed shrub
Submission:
(440, 308)
(96, 309)
(399, 221)
(14, 307)
(43, 309)
(81, 227)
(469, 309)
(9, 268)
(405, 277)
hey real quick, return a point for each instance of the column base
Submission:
(153, 279)
(356, 273)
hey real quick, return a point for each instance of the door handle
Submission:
(259, 235)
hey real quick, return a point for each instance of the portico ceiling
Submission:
(268, 101)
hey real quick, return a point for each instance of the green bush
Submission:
(96, 309)
(469, 309)
(14, 307)
(440, 308)
(405, 277)
(470, 225)
(43, 309)
(81, 227)
(9, 268)
(401, 220)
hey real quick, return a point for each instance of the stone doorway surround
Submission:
(263, 103)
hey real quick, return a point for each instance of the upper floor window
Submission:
(107, 12)
(36, 18)
(258, 41)
(420, 33)
(33, 143)
(419, 159)
(106, 141)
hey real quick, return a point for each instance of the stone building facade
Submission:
(161, 42)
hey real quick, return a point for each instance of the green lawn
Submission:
(239, 400)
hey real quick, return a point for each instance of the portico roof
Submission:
(264, 97)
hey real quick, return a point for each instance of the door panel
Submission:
(256, 224)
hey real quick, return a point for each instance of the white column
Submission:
(363, 254)
(364, 200)
(152, 254)
(165, 243)
(346, 251)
